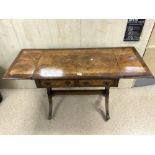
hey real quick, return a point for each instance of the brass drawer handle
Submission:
(67, 83)
(86, 83)
(46, 83)
(108, 83)
(104, 82)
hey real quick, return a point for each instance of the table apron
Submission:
(52, 83)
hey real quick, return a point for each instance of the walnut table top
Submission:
(120, 62)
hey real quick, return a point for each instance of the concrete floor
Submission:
(24, 111)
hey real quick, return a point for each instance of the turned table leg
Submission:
(49, 93)
(1, 97)
(107, 102)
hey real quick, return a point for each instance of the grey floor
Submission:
(24, 111)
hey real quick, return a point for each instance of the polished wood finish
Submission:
(98, 63)
(88, 67)
(50, 93)
(55, 83)
(107, 102)
(79, 92)
(98, 83)
(76, 83)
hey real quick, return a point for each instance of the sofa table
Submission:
(86, 67)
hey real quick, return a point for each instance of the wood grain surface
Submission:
(86, 63)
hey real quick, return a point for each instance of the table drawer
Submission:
(54, 83)
(98, 83)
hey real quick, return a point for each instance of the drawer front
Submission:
(98, 83)
(54, 83)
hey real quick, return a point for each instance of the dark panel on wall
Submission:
(134, 29)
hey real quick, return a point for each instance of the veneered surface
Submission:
(97, 62)
(24, 65)
(117, 62)
(130, 63)
(56, 63)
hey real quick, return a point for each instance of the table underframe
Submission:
(104, 92)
